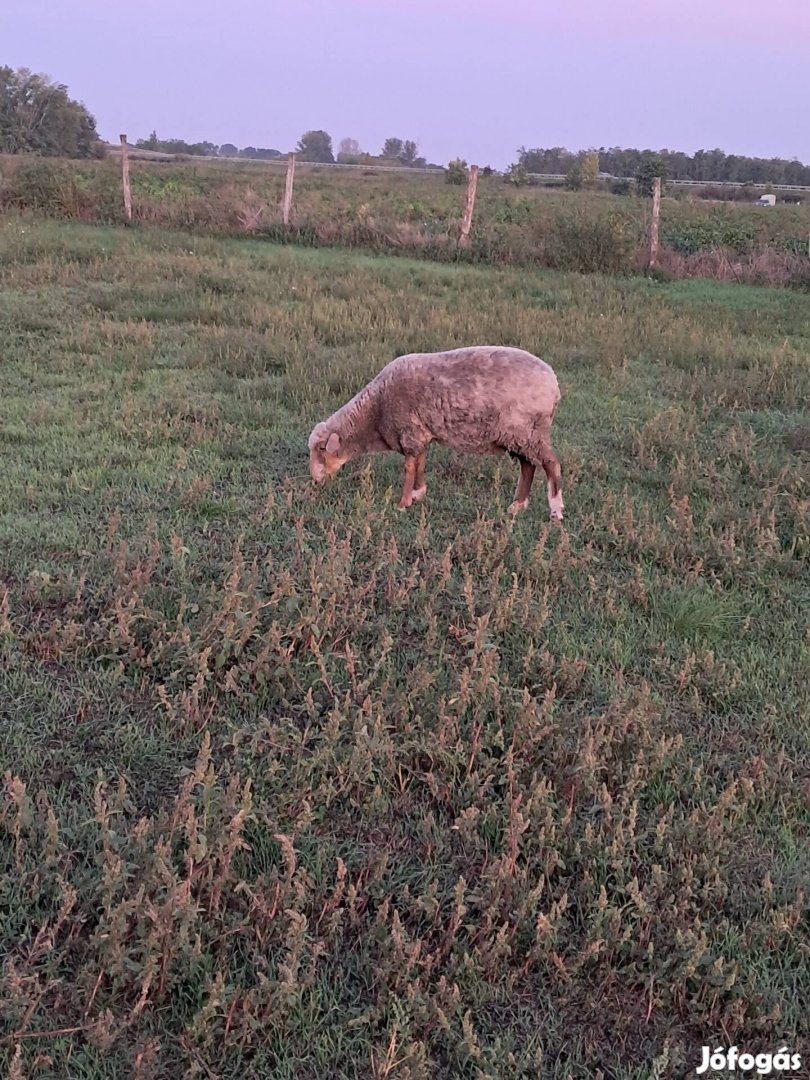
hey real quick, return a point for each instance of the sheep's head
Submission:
(325, 457)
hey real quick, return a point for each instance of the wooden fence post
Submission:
(286, 208)
(654, 222)
(469, 206)
(125, 178)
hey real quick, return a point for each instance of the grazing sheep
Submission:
(486, 399)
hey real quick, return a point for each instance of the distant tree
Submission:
(557, 160)
(350, 152)
(37, 116)
(177, 146)
(407, 154)
(315, 146)
(487, 170)
(573, 178)
(618, 162)
(258, 153)
(708, 166)
(392, 148)
(228, 150)
(583, 171)
(349, 148)
(518, 174)
(457, 172)
(651, 166)
(589, 168)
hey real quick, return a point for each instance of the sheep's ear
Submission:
(333, 443)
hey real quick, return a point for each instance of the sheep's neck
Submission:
(356, 422)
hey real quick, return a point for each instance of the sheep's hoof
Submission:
(403, 505)
(419, 493)
(557, 515)
(518, 505)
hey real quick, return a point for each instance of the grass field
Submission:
(299, 786)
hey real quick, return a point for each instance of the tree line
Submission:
(38, 116)
(205, 149)
(708, 166)
(313, 146)
(316, 146)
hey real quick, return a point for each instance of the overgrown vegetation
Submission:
(297, 785)
(418, 214)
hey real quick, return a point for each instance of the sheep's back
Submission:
(476, 399)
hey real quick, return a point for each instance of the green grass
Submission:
(297, 785)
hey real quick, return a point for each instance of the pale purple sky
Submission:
(468, 78)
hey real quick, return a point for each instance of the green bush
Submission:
(457, 172)
(584, 172)
(708, 234)
(38, 185)
(592, 244)
(57, 190)
(620, 187)
(518, 175)
(652, 165)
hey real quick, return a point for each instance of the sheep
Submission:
(484, 399)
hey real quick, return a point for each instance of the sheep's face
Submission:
(325, 457)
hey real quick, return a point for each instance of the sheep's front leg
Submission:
(420, 487)
(524, 487)
(408, 485)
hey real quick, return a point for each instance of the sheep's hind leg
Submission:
(524, 486)
(407, 487)
(420, 487)
(554, 485)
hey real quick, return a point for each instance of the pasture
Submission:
(296, 785)
(418, 214)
